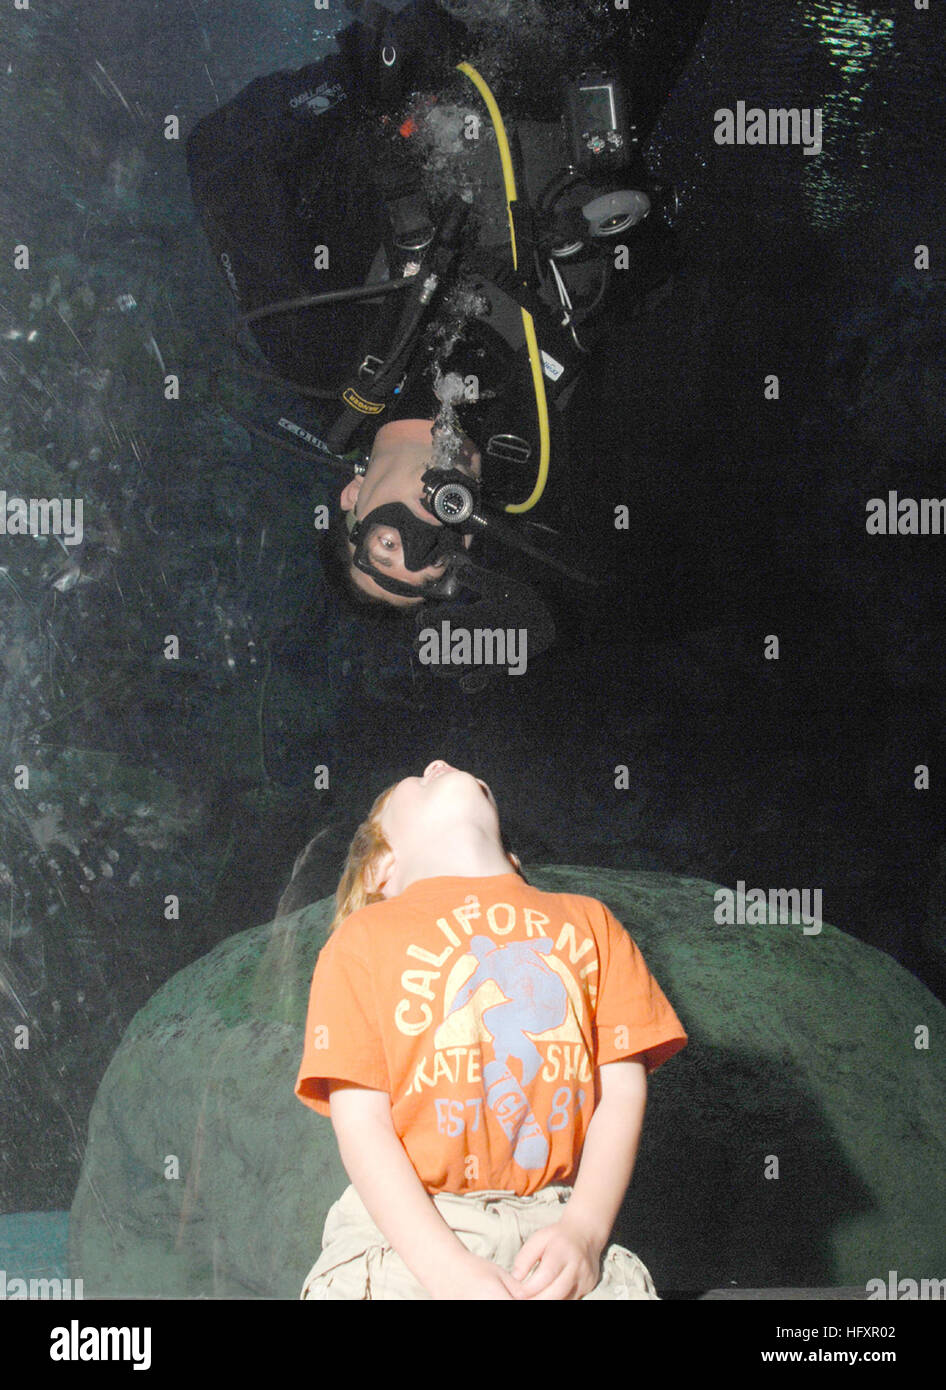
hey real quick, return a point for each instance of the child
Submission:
(482, 1048)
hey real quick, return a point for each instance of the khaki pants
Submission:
(356, 1263)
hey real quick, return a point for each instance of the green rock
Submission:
(802, 1049)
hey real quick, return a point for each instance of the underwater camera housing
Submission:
(603, 189)
(598, 132)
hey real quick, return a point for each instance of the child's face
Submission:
(422, 810)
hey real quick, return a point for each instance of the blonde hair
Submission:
(365, 849)
(367, 846)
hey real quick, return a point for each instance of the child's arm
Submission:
(398, 1203)
(569, 1252)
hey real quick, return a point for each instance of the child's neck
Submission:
(459, 856)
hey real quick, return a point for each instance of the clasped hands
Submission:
(558, 1262)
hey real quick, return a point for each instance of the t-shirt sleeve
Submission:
(342, 1036)
(632, 1014)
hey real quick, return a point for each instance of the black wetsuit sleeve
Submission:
(244, 162)
(257, 165)
(279, 179)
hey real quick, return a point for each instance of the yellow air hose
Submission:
(527, 321)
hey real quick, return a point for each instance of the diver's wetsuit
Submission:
(291, 164)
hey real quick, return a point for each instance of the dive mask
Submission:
(449, 495)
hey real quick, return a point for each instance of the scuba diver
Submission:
(424, 265)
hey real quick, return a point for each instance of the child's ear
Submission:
(378, 873)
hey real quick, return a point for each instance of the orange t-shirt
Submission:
(482, 1006)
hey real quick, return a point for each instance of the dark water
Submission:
(747, 520)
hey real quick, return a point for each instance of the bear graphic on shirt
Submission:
(510, 995)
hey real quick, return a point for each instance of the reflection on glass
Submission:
(855, 45)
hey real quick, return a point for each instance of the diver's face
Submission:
(402, 453)
(434, 805)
